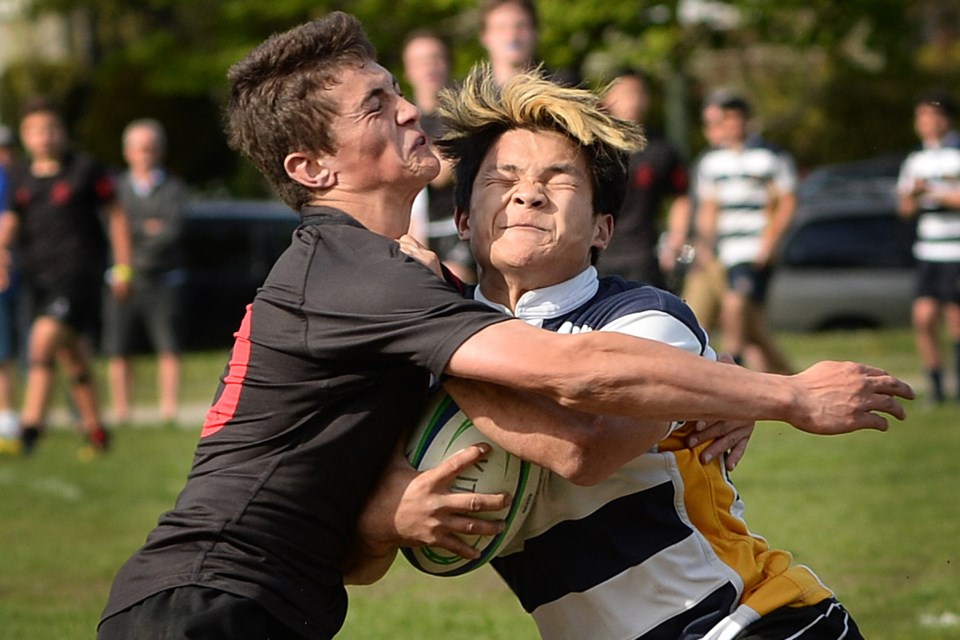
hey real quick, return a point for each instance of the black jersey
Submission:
(655, 174)
(331, 364)
(61, 238)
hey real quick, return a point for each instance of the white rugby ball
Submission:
(443, 431)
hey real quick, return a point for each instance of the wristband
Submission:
(120, 273)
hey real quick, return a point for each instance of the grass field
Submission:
(876, 515)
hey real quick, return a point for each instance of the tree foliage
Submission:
(831, 80)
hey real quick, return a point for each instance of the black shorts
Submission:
(194, 612)
(76, 305)
(938, 280)
(155, 305)
(749, 281)
(826, 620)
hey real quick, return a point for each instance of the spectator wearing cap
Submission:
(928, 190)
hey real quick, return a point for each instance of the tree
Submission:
(826, 76)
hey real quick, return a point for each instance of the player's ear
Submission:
(602, 231)
(462, 219)
(309, 170)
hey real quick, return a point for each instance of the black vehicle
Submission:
(231, 246)
(846, 260)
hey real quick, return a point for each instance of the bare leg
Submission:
(75, 358)
(121, 378)
(44, 339)
(733, 322)
(758, 333)
(926, 325)
(169, 383)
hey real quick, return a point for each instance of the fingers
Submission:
(735, 454)
(735, 439)
(476, 502)
(449, 469)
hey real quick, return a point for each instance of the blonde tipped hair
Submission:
(478, 112)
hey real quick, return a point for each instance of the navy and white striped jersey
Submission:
(658, 550)
(938, 228)
(743, 183)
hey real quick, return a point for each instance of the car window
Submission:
(865, 241)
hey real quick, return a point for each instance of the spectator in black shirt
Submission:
(656, 179)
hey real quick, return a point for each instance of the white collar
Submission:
(144, 187)
(550, 302)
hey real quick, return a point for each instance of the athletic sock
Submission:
(936, 385)
(29, 434)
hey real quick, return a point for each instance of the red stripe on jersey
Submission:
(225, 407)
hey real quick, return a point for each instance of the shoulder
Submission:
(645, 311)
(366, 271)
(617, 298)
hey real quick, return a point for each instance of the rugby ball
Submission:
(444, 430)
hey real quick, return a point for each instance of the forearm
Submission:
(120, 238)
(582, 447)
(611, 374)
(363, 568)
(782, 215)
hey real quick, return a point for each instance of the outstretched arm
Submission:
(610, 374)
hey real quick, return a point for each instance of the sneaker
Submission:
(29, 436)
(97, 443)
(10, 447)
(99, 439)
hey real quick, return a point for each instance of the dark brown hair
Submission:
(278, 103)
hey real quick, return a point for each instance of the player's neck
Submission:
(45, 167)
(387, 214)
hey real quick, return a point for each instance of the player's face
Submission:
(142, 150)
(43, 135)
(425, 64)
(508, 35)
(627, 99)
(531, 211)
(734, 126)
(930, 122)
(713, 125)
(380, 142)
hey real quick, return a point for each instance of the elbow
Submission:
(584, 460)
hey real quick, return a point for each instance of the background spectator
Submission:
(928, 189)
(656, 176)
(154, 203)
(746, 192)
(426, 65)
(9, 423)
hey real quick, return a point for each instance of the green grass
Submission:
(876, 515)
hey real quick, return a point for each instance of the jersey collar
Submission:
(550, 302)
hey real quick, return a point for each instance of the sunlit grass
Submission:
(876, 515)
